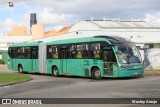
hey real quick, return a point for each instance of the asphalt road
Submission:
(46, 86)
(64, 87)
(67, 87)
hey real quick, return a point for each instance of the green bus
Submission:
(95, 57)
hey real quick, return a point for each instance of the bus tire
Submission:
(20, 69)
(96, 74)
(55, 71)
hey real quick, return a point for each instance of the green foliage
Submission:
(1, 61)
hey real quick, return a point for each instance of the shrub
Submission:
(1, 61)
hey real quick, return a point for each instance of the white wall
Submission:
(152, 61)
(138, 37)
(5, 40)
(157, 45)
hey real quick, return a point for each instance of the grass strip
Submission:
(152, 72)
(12, 78)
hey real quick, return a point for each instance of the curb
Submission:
(15, 83)
(151, 74)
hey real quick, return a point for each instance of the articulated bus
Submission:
(95, 57)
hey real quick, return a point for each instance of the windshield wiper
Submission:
(128, 56)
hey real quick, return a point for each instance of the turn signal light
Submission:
(123, 68)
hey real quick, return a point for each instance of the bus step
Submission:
(108, 75)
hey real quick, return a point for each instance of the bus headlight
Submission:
(123, 67)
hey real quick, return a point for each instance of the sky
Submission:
(56, 14)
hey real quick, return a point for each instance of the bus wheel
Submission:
(55, 71)
(96, 74)
(20, 69)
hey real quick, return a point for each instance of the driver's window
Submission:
(95, 50)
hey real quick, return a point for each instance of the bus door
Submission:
(64, 55)
(13, 60)
(35, 59)
(109, 60)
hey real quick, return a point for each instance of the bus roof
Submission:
(76, 40)
(114, 39)
(25, 44)
(109, 39)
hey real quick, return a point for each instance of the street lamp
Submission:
(10, 4)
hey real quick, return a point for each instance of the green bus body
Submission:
(63, 55)
(29, 64)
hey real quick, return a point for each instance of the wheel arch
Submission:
(19, 65)
(52, 69)
(54, 66)
(92, 68)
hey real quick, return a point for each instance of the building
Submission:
(20, 34)
(17, 34)
(143, 34)
(54, 32)
(19, 31)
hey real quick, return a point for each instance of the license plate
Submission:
(135, 73)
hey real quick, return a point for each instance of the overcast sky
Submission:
(57, 13)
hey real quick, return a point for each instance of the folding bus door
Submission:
(35, 59)
(64, 55)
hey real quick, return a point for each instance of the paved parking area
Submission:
(4, 68)
(47, 86)
(36, 77)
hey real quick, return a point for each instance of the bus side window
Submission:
(34, 52)
(95, 50)
(21, 52)
(82, 50)
(53, 52)
(14, 52)
(79, 51)
(85, 50)
(72, 51)
(79, 54)
(27, 52)
(49, 55)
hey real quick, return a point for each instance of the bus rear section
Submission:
(23, 57)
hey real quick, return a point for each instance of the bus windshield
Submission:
(128, 53)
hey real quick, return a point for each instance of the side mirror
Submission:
(116, 48)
